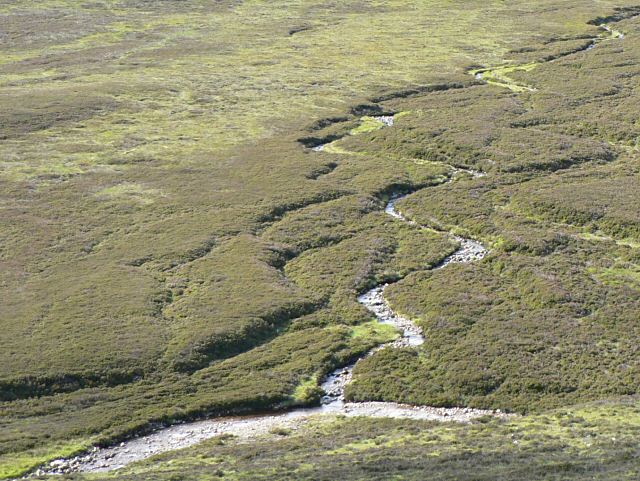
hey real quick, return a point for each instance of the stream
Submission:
(244, 427)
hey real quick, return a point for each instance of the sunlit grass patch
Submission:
(500, 76)
(20, 171)
(374, 330)
(367, 124)
(307, 392)
(601, 236)
(14, 465)
(622, 274)
(130, 191)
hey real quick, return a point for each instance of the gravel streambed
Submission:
(245, 427)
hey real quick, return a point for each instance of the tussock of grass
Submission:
(307, 392)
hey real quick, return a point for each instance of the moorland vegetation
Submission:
(172, 246)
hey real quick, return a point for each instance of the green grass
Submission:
(131, 191)
(625, 275)
(499, 76)
(306, 392)
(367, 124)
(375, 330)
(15, 465)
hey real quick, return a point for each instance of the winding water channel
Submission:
(244, 427)
(333, 402)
